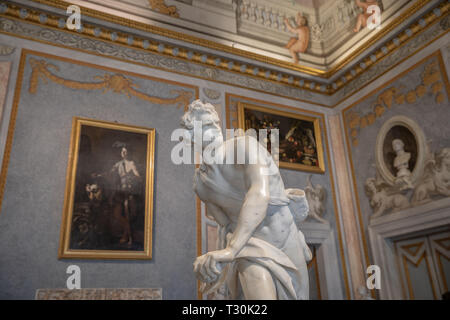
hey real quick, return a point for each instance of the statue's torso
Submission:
(225, 186)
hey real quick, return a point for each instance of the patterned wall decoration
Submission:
(50, 91)
(118, 83)
(431, 81)
(49, 28)
(6, 50)
(420, 93)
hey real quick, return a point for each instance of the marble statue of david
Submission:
(262, 253)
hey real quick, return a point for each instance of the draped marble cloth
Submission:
(286, 275)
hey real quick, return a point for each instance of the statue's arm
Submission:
(254, 208)
(252, 213)
(289, 26)
(216, 213)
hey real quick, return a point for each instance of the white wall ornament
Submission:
(408, 174)
(404, 124)
(257, 258)
(6, 50)
(212, 94)
(316, 200)
(381, 200)
(436, 179)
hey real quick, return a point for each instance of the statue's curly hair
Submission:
(196, 112)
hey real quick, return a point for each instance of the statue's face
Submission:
(397, 145)
(301, 21)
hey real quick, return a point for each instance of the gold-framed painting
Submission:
(300, 139)
(108, 203)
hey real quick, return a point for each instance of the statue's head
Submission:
(398, 145)
(301, 20)
(205, 116)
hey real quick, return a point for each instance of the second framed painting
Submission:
(108, 205)
(300, 139)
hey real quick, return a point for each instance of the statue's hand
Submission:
(208, 266)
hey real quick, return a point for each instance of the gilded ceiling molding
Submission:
(35, 16)
(113, 50)
(432, 81)
(407, 50)
(417, 27)
(187, 38)
(109, 82)
(188, 62)
(243, 53)
(161, 7)
(394, 45)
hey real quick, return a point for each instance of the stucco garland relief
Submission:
(109, 82)
(160, 6)
(431, 81)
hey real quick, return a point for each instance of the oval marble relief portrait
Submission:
(403, 134)
(400, 151)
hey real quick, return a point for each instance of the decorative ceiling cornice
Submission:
(284, 83)
(171, 34)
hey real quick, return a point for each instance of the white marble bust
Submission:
(401, 163)
(262, 253)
